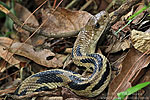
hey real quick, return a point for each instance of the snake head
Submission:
(102, 19)
(97, 24)
(90, 34)
(95, 28)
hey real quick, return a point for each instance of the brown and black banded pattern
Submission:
(82, 55)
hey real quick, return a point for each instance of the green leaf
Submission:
(131, 90)
(9, 22)
(136, 88)
(8, 33)
(131, 18)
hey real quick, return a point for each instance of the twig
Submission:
(122, 10)
(9, 75)
(15, 19)
(115, 16)
(54, 4)
(110, 5)
(31, 29)
(71, 3)
(86, 5)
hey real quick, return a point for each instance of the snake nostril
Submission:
(49, 57)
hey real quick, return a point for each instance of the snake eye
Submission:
(97, 25)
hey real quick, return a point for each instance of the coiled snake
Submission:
(82, 55)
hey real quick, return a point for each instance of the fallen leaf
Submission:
(119, 25)
(4, 44)
(130, 65)
(118, 46)
(141, 41)
(43, 57)
(23, 13)
(63, 20)
(26, 16)
(142, 75)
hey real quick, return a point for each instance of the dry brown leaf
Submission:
(4, 44)
(23, 13)
(130, 65)
(42, 57)
(141, 41)
(66, 93)
(119, 25)
(142, 75)
(9, 87)
(118, 46)
(63, 20)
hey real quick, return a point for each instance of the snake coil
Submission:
(82, 55)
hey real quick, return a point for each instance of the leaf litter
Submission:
(61, 22)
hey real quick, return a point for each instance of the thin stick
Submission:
(54, 4)
(86, 5)
(71, 3)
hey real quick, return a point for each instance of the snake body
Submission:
(82, 55)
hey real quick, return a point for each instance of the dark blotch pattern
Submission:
(98, 58)
(48, 77)
(76, 86)
(89, 60)
(75, 79)
(72, 53)
(78, 51)
(44, 88)
(16, 91)
(103, 79)
(22, 93)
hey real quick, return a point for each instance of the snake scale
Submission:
(82, 55)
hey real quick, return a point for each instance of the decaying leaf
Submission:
(143, 76)
(119, 25)
(63, 20)
(133, 62)
(23, 13)
(141, 40)
(118, 46)
(4, 44)
(44, 57)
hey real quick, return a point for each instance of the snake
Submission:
(83, 54)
